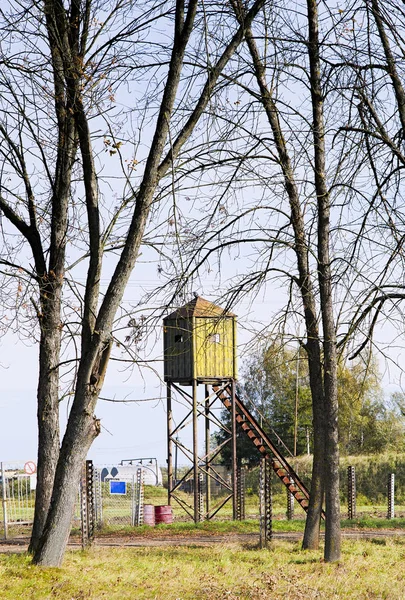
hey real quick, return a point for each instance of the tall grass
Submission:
(368, 571)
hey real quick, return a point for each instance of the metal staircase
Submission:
(265, 446)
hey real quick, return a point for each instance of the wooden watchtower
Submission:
(199, 344)
(199, 348)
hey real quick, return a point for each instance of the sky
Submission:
(128, 429)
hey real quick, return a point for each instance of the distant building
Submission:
(127, 470)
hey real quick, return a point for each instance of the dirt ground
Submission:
(20, 544)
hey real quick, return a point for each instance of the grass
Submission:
(205, 528)
(216, 528)
(367, 520)
(368, 570)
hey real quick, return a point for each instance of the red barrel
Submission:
(148, 514)
(163, 514)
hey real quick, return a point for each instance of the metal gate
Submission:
(17, 490)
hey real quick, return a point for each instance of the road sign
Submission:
(30, 467)
(118, 487)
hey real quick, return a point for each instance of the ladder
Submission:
(265, 446)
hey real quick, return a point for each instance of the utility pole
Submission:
(296, 400)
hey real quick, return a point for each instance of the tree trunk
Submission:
(332, 530)
(48, 422)
(82, 429)
(313, 520)
(50, 290)
(311, 536)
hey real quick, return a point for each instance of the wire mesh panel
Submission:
(98, 499)
(116, 499)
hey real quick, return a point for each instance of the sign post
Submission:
(4, 498)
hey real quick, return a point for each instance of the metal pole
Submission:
(207, 451)
(241, 494)
(195, 455)
(83, 508)
(234, 456)
(262, 503)
(268, 502)
(201, 494)
(90, 501)
(391, 496)
(137, 484)
(169, 444)
(176, 448)
(290, 503)
(265, 503)
(4, 499)
(133, 501)
(296, 402)
(99, 499)
(351, 493)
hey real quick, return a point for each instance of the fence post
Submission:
(4, 499)
(262, 503)
(269, 502)
(83, 508)
(134, 492)
(90, 499)
(201, 491)
(87, 503)
(98, 499)
(241, 494)
(351, 493)
(265, 503)
(290, 503)
(391, 496)
(137, 498)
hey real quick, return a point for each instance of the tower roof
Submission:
(199, 307)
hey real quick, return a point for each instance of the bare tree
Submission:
(290, 226)
(60, 119)
(377, 127)
(305, 178)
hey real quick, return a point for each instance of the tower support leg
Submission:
(195, 455)
(234, 456)
(207, 452)
(169, 444)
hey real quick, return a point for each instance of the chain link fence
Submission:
(118, 502)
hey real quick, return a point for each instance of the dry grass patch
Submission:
(368, 570)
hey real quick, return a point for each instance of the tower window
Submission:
(214, 338)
